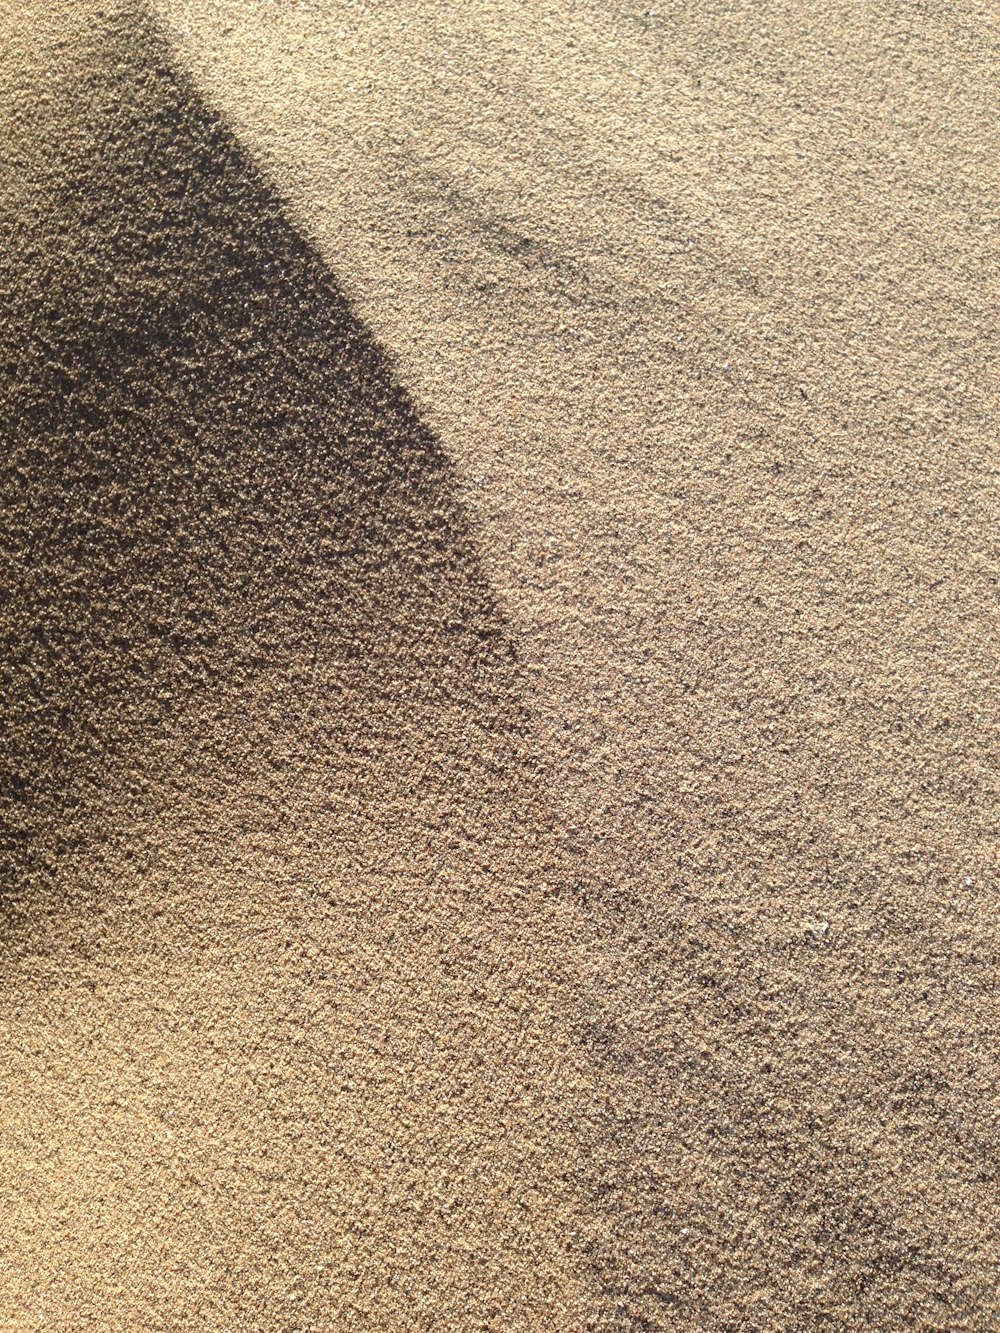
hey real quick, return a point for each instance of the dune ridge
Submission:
(501, 547)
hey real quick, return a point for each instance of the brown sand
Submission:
(501, 570)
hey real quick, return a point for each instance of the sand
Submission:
(500, 610)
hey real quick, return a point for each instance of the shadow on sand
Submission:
(211, 478)
(236, 576)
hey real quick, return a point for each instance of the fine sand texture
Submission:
(501, 610)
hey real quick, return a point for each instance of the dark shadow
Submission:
(235, 571)
(210, 476)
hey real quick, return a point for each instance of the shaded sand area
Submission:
(500, 678)
(280, 957)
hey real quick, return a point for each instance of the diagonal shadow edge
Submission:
(212, 474)
(218, 501)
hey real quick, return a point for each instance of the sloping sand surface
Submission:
(500, 679)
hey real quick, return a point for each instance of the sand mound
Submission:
(516, 850)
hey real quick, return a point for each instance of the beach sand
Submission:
(500, 678)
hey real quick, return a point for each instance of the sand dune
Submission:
(500, 568)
